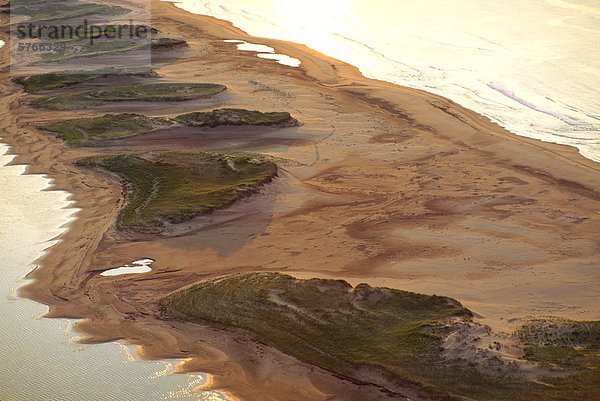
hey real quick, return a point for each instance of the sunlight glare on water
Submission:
(40, 358)
(530, 65)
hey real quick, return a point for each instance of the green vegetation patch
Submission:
(235, 117)
(327, 323)
(568, 347)
(25, 2)
(52, 10)
(376, 335)
(160, 92)
(167, 43)
(84, 48)
(560, 344)
(174, 187)
(54, 80)
(89, 131)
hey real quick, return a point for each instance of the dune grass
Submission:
(13, 3)
(158, 92)
(34, 83)
(167, 43)
(326, 323)
(373, 335)
(175, 187)
(90, 131)
(52, 10)
(235, 117)
(80, 49)
(55, 80)
(83, 48)
(568, 347)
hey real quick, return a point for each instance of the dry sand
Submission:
(381, 184)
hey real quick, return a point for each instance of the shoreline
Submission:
(340, 74)
(230, 17)
(85, 236)
(33, 343)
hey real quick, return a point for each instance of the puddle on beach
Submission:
(282, 59)
(136, 267)
(266, 52)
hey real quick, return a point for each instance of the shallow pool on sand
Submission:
(137, 267)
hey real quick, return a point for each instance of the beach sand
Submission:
(381, 184)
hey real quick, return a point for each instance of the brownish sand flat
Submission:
(381, 184)
(230, 138)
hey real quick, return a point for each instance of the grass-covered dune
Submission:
(55, 80)
(158, 92)
(167, 43)
(326, 323)
(559, 344)
(88, 131)
(24, 2)
(235, 117)
(375, 335)
(92, 131)
(56, 10)
(174, 187)
(83, 48)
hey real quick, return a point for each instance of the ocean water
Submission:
(533, 66)
(40, 358)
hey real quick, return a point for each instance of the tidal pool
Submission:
(136, 267)
(266, 52)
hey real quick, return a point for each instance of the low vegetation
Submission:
(56, 10)
(377, 335)
(570, 349)
(236, 117)
(55, 80)
(167, 43)
(83, 48)
(90, 131)
(159, 92)
(25, 2)
(174, 187)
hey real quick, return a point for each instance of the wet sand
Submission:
(389, 185)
